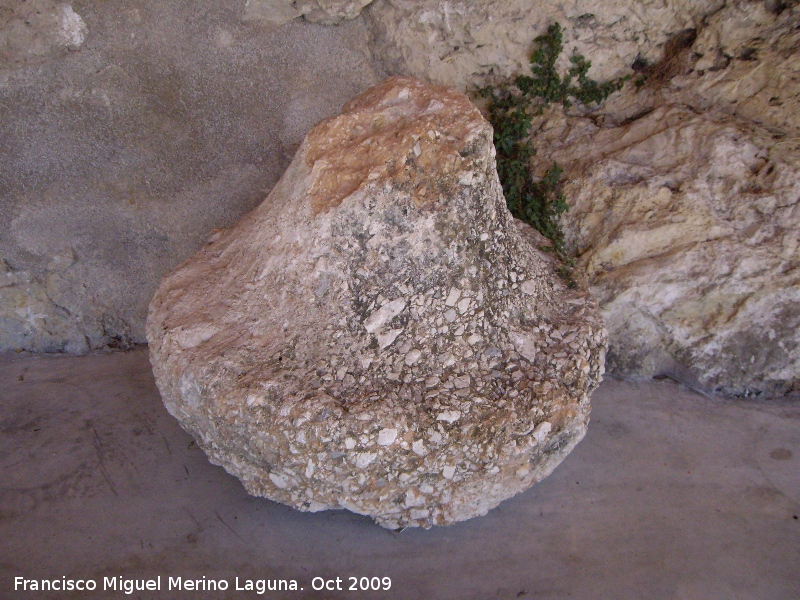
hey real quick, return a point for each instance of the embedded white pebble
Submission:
(363, 459)
(449, 416)
(541, 430)
(413, 500)
(462, 381)
(384, 314)
(419, 447)
(412, 357)
(420, 513)
(387, 436)
(386, 339)
(452, 297)
(280, 480)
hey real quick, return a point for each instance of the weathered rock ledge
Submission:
(684, 202)
(380, 335)
(686, 226)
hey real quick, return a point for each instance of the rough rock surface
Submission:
(325, 12)
(683, 196)
(749, 65)
(744, 61)
(34, 30)
(119, 154)
(380, 335)
(462, 43)
(687, 226)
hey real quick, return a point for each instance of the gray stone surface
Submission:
(380, 334)
(670, 495)
(743, 62)
(34, 30)
(746, 62)
(129, 131)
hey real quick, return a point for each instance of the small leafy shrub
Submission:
(546, 85)
(510, 108)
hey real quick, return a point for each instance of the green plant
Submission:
(510, 108)
(546, 85)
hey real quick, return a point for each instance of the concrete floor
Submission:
(670, 495)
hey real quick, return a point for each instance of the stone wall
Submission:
(132, 129)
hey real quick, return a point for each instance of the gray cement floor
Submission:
(670, 495)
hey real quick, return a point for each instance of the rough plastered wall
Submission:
(128, 131)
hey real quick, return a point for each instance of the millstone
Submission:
(380, 335)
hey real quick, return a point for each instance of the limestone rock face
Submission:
(748, 64)
(744, 61)
(380, 335)
(325, 12)
(687, 226)
(462, 43)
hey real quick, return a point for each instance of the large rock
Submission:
(380, 335)
(463, 43)
(687, 227)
